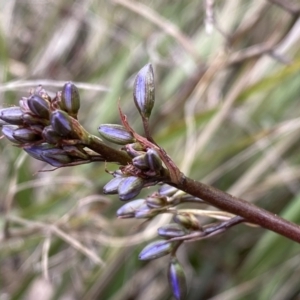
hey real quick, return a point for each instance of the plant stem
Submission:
(240, 207)
(109, 154)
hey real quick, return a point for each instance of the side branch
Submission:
(240, 207)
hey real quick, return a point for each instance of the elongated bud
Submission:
(112, 186)
(50, 135)
(153, 160)
(135, 149)
(67, 127)
(146, 212)
(156, 249)
(130, 187)
(12, 115)
(156, 201)
(76, 152)
(8, 132)
(26, 135)
(70, 99)
(140, 162)
(177, 279)
(188, 221)
(128, 210)
(116, 133)
(56, 157)
(167, 190)
(171, 230)
(36, 150)
(143, 91)
(30, 119)
(39, 106)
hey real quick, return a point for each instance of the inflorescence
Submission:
(48, 130)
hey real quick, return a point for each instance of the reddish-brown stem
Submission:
(240, 207)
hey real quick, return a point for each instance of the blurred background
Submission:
(227, 111)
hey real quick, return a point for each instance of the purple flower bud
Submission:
(153, 160)
(171, 230)
(135, 149)
(143, 91)
(26, 135)
(156, 249)
(145, 212)
(140, 162)
(128, 210)
(177, 279)
(56, 157)
(167, 190)
(50, 135)
(8, 132)
(116, 134)
(39, 106)
(130, 187)
(37, 150)
(70, 99)
(112, 186)
(12, 115)
(30, 119)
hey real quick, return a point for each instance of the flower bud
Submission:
(12, 115)
(145, 212)
(177, 280)
(128, 210)
(8, 132)
(116, 134)
(130, 187)
(167, 190)
(156, 249)
(188, 221)
(76, 152)
(26, 135)
(171, 230)
(156, 201)
(112, 186)
(50, 135)
(39, 106)
(153, 160)
(70, 99)
(36, 150)
(140, 162)
(56, 157)
(143, 91)
(135, 149)
(30, 119)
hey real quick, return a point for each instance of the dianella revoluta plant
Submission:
(48, 130)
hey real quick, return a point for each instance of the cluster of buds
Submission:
(47, 128)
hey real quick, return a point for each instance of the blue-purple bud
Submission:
(39, 106)
(177, 279)
(130, 187)
(12, 115)
(112, 186)
(171, 230)
(140, 162)
(128, 210)
(143, 91)
(8, 132)
(50, 135)
(26, 135)
(156, 249)
(167, 190)
(153, 160)
(116, 133)
(70, 99)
